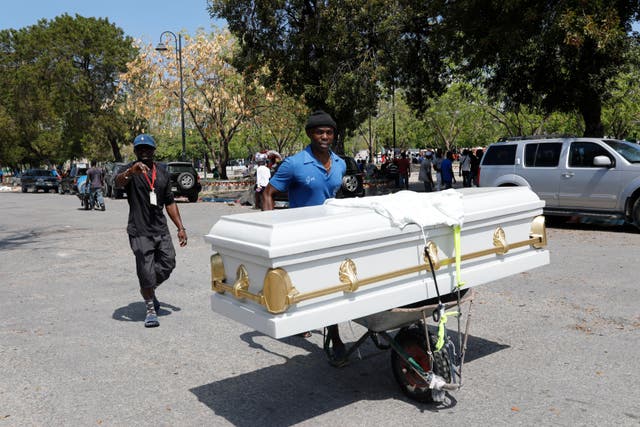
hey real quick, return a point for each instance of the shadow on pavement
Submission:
(136, 311)
(591, 224)
(305, 386)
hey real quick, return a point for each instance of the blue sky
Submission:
(140, 19)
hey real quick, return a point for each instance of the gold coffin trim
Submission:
(278, 293)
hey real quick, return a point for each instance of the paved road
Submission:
(554, 346)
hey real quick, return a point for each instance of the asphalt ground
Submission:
(555, 346)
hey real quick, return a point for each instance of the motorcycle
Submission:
(88, 199)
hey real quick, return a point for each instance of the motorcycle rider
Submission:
(95, 179)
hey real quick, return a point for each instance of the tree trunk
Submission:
(591, 110)
(115, 149)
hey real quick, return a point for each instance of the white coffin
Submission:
(302, 250)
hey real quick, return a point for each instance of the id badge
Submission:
(153, 199)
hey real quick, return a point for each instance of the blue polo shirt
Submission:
(306, 180)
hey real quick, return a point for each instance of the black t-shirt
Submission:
(144, 218)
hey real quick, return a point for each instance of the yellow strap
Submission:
(456, 244)
(443, 321)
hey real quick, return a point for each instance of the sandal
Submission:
(339, 358)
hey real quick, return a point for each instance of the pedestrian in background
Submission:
(475, 167)
(404, 170)
(263, 173)
(148, 190)
(465, 168)
(95, 180)
(446, 171)
(437, 163)
(425, 174)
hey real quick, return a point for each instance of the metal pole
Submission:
(184, 147)
(393, 107)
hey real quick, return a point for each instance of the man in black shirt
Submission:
(95, 179)
(148, 189)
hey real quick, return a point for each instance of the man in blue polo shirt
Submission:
(315, 173)
(310, 177)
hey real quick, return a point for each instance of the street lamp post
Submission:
(163, 47)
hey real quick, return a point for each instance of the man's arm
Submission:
(174, 214)
(267, 197)
(136, 168)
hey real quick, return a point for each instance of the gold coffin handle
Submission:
(277, 290)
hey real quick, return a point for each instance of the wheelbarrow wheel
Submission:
(412, 340)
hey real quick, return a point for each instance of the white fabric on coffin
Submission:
(408, 207)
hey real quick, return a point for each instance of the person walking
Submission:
(437, 163)
(95, 180)
(263, 173)
(404, 170)
(310, 177)
(475, 167)
(465, 168)
(425, 174)
(148, 190)
(446, 171)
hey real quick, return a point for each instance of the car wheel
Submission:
(193, 197)
(186, 181)
(46, 190)
(635, 213)
(24, 189)
(350, 183)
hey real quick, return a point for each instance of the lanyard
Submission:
(153, 177)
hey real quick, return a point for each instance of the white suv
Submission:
(574, 176)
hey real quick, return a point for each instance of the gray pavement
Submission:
(553, 346)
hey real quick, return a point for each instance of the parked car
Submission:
(39, 179)
(69, 182)
(184, 180)
(352, 181)
(574, 176)
(111, 170)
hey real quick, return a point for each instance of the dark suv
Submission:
(111, 170)
(184, 180)
(39, 179)
(353, 180)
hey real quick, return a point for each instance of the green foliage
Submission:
(328, 52)
(58, 80)
(551, 56)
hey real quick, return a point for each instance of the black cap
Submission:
(319, 118)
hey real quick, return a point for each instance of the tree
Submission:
(58, 80)
(555, 56)
(330, 53)
(218, 100)
(280, 125)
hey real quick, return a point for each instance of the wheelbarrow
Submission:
(424, 368)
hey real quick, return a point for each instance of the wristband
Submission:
(182, 229)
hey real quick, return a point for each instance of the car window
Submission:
(582, 153)
(179, 168)
(352, 166)
(631, 152)
(542, 155)
(500, 155)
